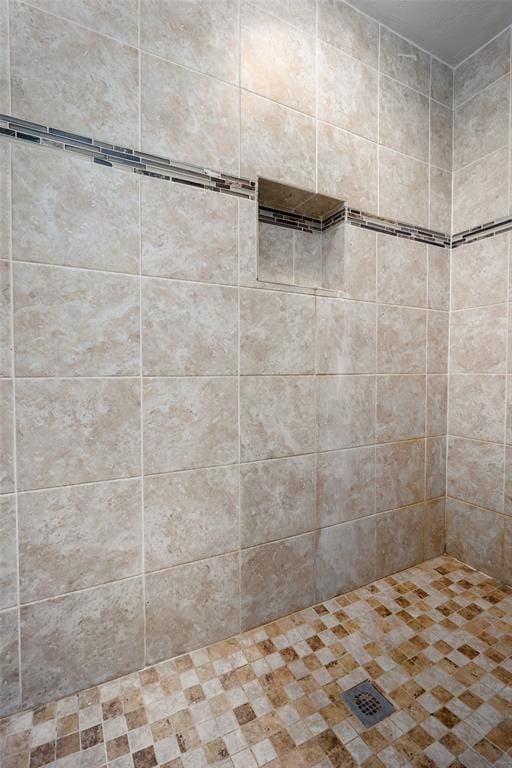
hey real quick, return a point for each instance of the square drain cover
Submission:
(367, 703)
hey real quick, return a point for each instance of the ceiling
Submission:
(450, 29)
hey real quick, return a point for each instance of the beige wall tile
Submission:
(436, 467)
(117, 18)
(477, 406)
(437, 341)
(480, 273)
(277, 499)
(483, 68)
(9, 671)
(5, 189)
(438, 278)
(434, 528)
(301, 13)
(6, 436)
(400, 474)
(79, 640)
(75, 431)
(277, 416)
(347, 167)
(508, 431)
(5, 90)
(441, 119)
(403, 119)
(399, 539)
(400, 408)
(480, 191)
(508, 480)
(334, 242)
(359, 273)
(77, 537)
(401, 340)
(189, 329)
(403, 188)
(481, 123)
(413, 69)
(96, 91)
(478, 340)
(5, 319)
(189, 423)
(277, 578)
(346, 411)
(474, 536)
(308, 259)
(475, 472)
(441, 86)
(437, 393)
(507, 552)
(343, 27)
(174, 624)
(345, 485)
(275, 252)
(440, 209)
(8, 552)
(345, 336)
(346, 557)
(401, 271)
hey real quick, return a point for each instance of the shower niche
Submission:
(300, 237)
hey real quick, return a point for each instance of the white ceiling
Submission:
(450, 29)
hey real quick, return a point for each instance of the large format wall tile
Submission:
(401, 340)
(347, 167)
(5, 319)
(483, 68)
(480, 191)
(400, 474)
(434, 533)
(5, 183)
(401, 271)
(481, 123)
(8, 552)
(346, 557)
(478, 340)
(275, 254)
(480, 273)
(9, 670)
(474, 535)
(403, 188)
(404, 61)
(437, 397)
(301, 13)
(346, 411)
(438, 278)
(4, 57)
(475, 472)
(345, 485)
(117, 18)
(437, 342)
(403, 119)
(6, 436)
(359, 258)
(399, 539)
(440, 209)
(441, 86)
(435, 467)
(345, 336)
(477, 406)
(441, 119)
(400, 409)
(350, 31)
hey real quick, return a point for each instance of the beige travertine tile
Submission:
(5, 91)
(399, 539)
(5, 319)
(277, 332)
(434, 533)
(277, 499)
(508, 430)
(308, 259)
(277, 416)
(480, 273)
(345, 336)
(347, 167)
(277, 59)
(200, 34)
(508, 481)
(437, 393)
(173, 623)
(96, 91)
(277, 578)
(301, 13)
(400, 474)
(440, 209)
(435, 467)
(438, 278)
(5, 194)
(403, 188)
(359, 258)
(441, 119)
(346, 557)
(9, 671)
(437, 341)
(188, 233)
(76, 431)
(480, 191)
(70, 322)
(82, 215)
(481, 123)
(403, 119)
(350, 31)
(81, 639)
(277, 142)
(477, 406)
(401, 271)
(474, 535)
(400, 408)
(478, 340)
(346, 411)
(441, 86)
(483, 68)
(189, 329)
(507, 551)
(349, 92)
(275, 251)
(189, 117)
(189, 423)
(76, 537)
(412, 69)
(338, 260)
(117, 18)
(475, 472)
(401, 339)
(190, 516)
(8, 552)
(6, 436)
(345, 485)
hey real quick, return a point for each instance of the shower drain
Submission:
(367, 703)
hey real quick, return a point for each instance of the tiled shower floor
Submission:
(437, 639)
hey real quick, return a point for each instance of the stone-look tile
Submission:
(77, 431)
(437, 395)
(277, 416)
(400, 474)
(308, 269)
(480, 273)
(345, 336)
(401, 271)
(277, 142)
(441, 136)
(117, 18)
(277, 332)
(189, 423)
(189, 329)
(70, 322)
(188, 116)
(438, 278)
(277, 499)
(440, 209)
(8, 552)
(5, 90)
(475, 472)
(188, 233)
(79, 640)
(403, 188)
(345, 558)
(5, 182)
(65, 537)
(401, 340)
(6, 436)
(301, 13)
(338, 263)
(345, 485)
(82, 215)
(346, 411)
(9, 669)
(275, 252)
(5, 319)
(412, 69)
(96, 91)
(173, 623)
(200, 35)
(403, 119)
(434, 529)
(474, 535)
(277, 578)
(190, 516)
(399, 537)
(478, 340)
(347, 167)
(507, 552)
(436, 467)
(483, 68)
(359, 258)
(350, 31)
(277, 60)
(477, 406)
(480, 191)
(437, 341)
(400, 408)
(349, 92)
(481, 123)
(441, 85)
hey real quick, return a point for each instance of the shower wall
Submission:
(186, 451)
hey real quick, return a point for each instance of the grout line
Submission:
(495, 37)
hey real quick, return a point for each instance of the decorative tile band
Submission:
(398, 228)
(299, 221)
(482, 231)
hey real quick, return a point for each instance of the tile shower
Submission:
(187, 451)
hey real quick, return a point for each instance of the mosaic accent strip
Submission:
(482, 231)
(299, 221)
(398, 228)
